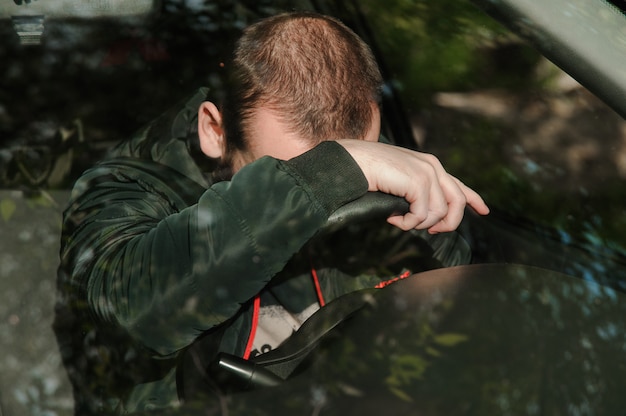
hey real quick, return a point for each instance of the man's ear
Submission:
(210, 130)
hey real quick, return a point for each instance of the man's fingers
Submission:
(441, 209)
(456, 200)
(411, 221)
(426, 209)
(456, 208)
(450, 222)
(473, 199)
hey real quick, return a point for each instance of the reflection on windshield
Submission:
(556, 351)
(478, 340)
(548, 156)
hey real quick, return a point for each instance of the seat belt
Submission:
(276, 366)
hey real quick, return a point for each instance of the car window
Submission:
(546, 153)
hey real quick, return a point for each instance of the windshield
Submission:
(477, 86)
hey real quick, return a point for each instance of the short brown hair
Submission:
(318, 76)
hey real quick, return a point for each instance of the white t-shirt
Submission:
(275, 324)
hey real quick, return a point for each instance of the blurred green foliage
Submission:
(446, 45)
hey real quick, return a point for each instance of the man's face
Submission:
(269, 136)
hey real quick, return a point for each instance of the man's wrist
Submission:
(331, 174)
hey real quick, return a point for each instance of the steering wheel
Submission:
(276, 366)
(371, 206)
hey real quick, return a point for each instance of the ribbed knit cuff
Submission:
(331, 174)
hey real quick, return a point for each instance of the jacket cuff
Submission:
(331, 175)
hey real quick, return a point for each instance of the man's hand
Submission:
(437, 199)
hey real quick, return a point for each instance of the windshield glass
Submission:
(546, 154)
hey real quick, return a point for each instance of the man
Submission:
(157, 253)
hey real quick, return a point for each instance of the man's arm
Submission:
(167, 272)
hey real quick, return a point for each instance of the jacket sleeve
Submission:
(167, 273)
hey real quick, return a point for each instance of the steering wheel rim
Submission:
(371, 206)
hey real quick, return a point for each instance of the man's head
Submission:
(296, 79)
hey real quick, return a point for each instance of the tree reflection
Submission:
(530, 340)
(548, 157)
(87, 72)
(468, 340)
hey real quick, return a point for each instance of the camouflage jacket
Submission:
(155, 254)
